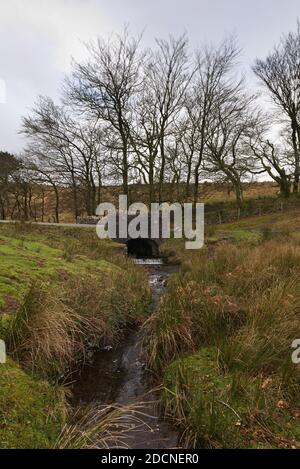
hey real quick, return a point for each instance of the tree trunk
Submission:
(2, 210)
(239, 195)
(56, 203)
(296, 157)
(43, 205)
(196, 187)
(285, 188)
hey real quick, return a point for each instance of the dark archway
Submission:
(142, 248)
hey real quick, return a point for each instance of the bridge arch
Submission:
(142, 248)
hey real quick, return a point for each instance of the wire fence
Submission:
(220, 213)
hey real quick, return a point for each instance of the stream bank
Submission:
(117, 375)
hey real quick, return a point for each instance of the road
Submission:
(65, 225)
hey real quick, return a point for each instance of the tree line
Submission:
(165, 115)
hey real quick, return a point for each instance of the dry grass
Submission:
(47, 336)
(100, 428)
(231, 316)
(221, 291)
(263, 344)
(208, 193)
(55, 329)
(70, 293)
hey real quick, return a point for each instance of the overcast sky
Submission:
(38, 38)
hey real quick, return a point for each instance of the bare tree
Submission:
(212, 85)
(159, 117)
(280, 73)
(275, 159)
(105, 85)
(167, 77)
(44, 174)
(22, 192)
(226, 147)
(9, 165)
(73, 149)
(144, 137)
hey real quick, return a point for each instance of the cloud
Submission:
(38, 38)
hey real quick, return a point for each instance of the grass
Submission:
(226, 410)
(43, 255)
(208, 193)
(102, 427)
(63, 292)
(34, 254)
(221, 337)
(32, 412)
(220, 340)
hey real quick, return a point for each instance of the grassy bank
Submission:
(63, 292)
(32, 412)
(222, 337)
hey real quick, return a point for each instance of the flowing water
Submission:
(117, 375)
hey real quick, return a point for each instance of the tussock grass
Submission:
(63, 292)
(226, 410)
(46, 335)
(69, 292)
(55, 329)
(231, 315)
(273, 322)
(100, 428)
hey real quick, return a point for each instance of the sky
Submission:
(39, 37)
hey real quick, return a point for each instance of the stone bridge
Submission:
(137, 247)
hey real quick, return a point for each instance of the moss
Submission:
(237, 300)
(41, 256)
(227, 410)
(90, 279)
(211, 415)
(23, 262)
(5, 321)
(32, 412)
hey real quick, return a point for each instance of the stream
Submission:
(117, 375)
